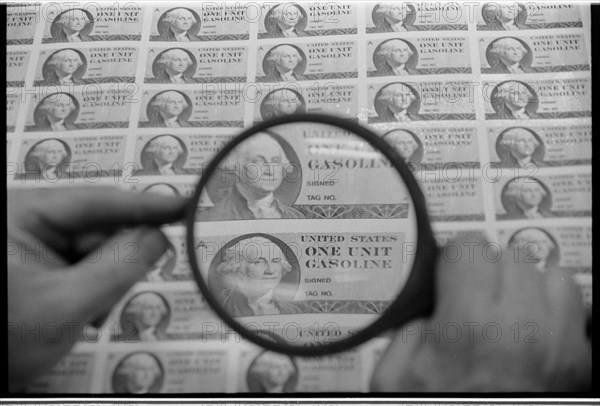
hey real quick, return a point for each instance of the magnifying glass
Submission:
(308, 235)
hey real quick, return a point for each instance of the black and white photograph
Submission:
(174, 65)
(56, 112)
(348, 202)
(138, 373)
(286, 20)
(267, 186)
(284, 63)
(255, 276)
(47, 160)
(179, 24)
(73, 25)
(396, 57)
(514, 100)
(526, 198)
(145, 317)
(394, 17)
(509, 55)
(504, 16)
(270, 372)
(397, 102)
(164, 155)
(64, 67)
(520, 147)
(170, 109)
(407, 144)
(539, 243)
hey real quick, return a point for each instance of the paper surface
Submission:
(99, 95)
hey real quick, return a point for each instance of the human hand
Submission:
(70, 259)
(538, 341)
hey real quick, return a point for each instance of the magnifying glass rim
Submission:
(425, 239)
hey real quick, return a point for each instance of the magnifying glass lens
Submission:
(306, 231)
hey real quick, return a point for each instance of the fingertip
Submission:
(164, 209)
(83, 208)
(467, 273)
(465, 250)
(152, 244)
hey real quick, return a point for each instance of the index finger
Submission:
(85, 208)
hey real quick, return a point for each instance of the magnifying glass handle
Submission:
(418, 299)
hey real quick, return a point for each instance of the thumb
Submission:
(466, 280)
(97, 282)
(569, 360)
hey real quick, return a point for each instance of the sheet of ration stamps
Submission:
(97, 92)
